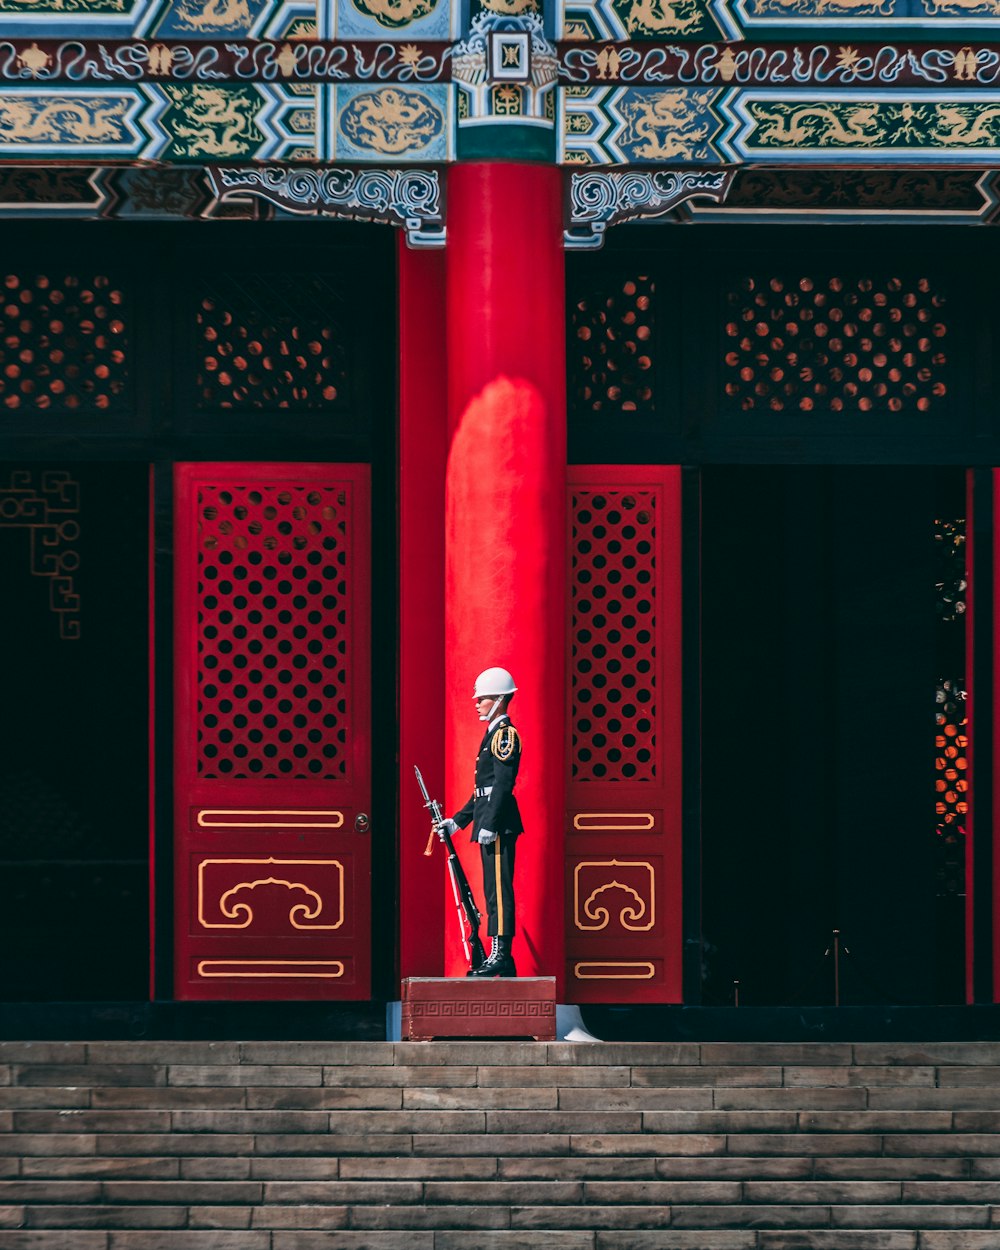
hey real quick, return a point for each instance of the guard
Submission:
(496, 821)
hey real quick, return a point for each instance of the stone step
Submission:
(508, 1053)
(153, 1085)
(222, 1237)
(451, 1095)
(298, 1146)
(431, 1118)
(496, 1184)
(984, 1147)
(330, 1165)
(502, 1210)
(506, 1239)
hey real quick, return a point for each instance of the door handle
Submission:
(361, 823)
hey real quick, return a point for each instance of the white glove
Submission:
(486, 836)
(447, 826)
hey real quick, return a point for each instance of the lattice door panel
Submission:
(272, 750)
(623, 870)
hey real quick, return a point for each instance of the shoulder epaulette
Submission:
(505, 742)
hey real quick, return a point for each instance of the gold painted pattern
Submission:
(881, 124)
(267, 968)
(240, 914)
(600, 915)
(666, 125)
(660, 17)
(391, 121)
(336, 820)
(511, 8)
(640, 970)
(86, 8)
(958, 7)
(68, 119)
(217, 121)
(586, 822)
(395, 13)
(214, 15)
(50, 512)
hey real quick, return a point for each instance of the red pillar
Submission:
(422, 452)
(505, 524)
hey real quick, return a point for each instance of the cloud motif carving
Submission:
(627, 913)
(309, 909)
(633, 909)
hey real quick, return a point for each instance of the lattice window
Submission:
(64, 344)
(273, 341)
(611, 349)
(614, 653)
(834, 344)
(273, 590)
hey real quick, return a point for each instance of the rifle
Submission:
(465, 904)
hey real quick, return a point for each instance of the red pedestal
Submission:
(505, 522)
(435, 1007)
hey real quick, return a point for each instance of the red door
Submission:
(272, 743)
(623, 840)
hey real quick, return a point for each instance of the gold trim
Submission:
(578, 970)
(337, 823)
(306, 911)
(647, 817)
(204, 965)
(603, 914)
(499, 887)
(49, 512)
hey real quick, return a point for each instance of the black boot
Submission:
(480, 969)
(478, 956)
(500, 962)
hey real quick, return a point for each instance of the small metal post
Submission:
(836, 967)
(736, 993)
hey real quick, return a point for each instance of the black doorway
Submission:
(820, 653)
(74, 825)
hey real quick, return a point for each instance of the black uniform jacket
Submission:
(496, 771)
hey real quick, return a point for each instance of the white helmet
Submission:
(495, 681)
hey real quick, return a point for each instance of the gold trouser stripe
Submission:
(496, 861)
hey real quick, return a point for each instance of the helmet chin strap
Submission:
(496, 703)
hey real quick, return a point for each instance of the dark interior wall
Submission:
(818, 667)
(73, 734)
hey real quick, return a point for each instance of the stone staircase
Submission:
(506, 1145)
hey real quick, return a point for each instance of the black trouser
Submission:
(498, 884)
